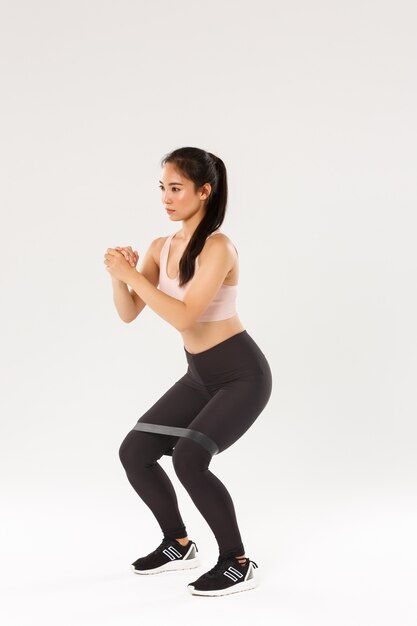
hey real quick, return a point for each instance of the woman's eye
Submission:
(161, 188)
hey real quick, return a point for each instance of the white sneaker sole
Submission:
(243, 586)
(172, 566)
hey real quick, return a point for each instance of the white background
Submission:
(312, 107)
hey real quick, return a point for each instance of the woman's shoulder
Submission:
(216, 236)
(220, 236)
(158, 242)
(156, 246)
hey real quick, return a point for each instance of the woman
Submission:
(190, 280)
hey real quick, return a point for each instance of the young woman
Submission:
(190, 280)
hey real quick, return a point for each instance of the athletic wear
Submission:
(223, 304)
(168, 556)
(223, 391)
(227, 576)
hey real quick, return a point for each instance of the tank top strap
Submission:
(163, 257)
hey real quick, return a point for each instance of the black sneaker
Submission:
(168, 556)
(227, 576)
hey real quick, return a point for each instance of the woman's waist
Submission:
(202, 336)
(235, 357)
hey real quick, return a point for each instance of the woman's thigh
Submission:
(178, 405)
(233, 409)
(170, 416)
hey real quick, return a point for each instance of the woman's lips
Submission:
(169, 210)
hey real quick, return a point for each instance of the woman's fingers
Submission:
(131, 256)
(128, 254)
(122, 249)
(125, 254)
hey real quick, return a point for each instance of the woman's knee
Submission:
(135, 450)
(189, 459)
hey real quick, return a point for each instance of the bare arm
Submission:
(127, 302)
(123, 300)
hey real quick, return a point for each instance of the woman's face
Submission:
(179, 195)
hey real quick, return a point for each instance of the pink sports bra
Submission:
(223, 304)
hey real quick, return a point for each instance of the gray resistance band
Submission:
(175, 431)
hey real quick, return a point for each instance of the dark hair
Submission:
(200, 167)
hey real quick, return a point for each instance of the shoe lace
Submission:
(164, 543)
(223, 563)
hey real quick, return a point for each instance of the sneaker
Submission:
(227, 576)
(168, 556)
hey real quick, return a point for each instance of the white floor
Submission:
(344, 562)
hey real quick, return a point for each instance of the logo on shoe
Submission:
(233, 573)
(172, 553)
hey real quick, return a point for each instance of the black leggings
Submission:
(222, 393)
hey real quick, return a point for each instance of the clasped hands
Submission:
(121, 263)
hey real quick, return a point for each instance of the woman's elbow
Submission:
(185, 323)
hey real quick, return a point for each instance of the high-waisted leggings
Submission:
(223, 391)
